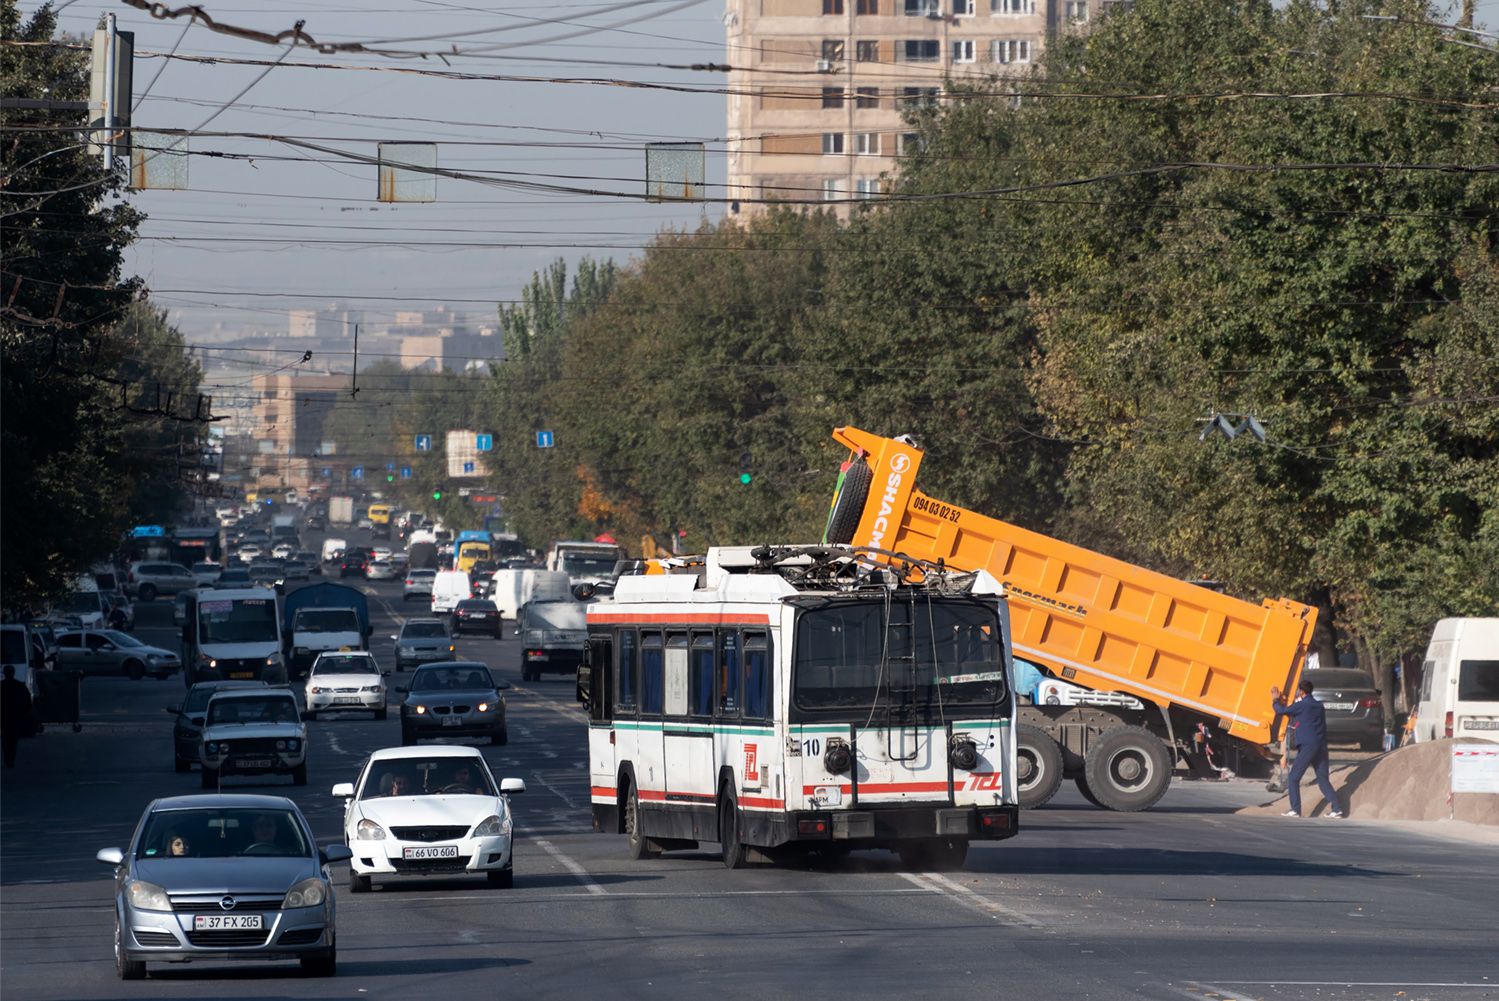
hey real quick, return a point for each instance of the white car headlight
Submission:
(147, 896)
(491, 827)
(308, 893)
(368, 830)
(371, 688)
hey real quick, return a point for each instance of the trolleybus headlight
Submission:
(837, 758)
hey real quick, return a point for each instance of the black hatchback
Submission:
(477, 615)
(1354, 710)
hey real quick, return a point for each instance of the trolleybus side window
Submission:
(757, 671)
(651, 673)
(728, 673)
(700, 675)
(625, 677)
(676, 674)
(594, 678)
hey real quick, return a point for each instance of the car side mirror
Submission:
(385, 673)
(501, 684)
(174, 709)
(337, 853)
(344, 790)
(393, 637)
(512, 787)
(308, 716)
(110, 856)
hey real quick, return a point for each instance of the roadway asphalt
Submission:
(1187, 900)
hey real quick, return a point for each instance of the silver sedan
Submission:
(223, 878)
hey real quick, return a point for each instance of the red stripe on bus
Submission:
(604, 791)
(651, 794)
(709, 618)
(757, 801)
(873, 787)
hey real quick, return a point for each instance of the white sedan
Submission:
(345, 680)
(418, 811)
(380, 570)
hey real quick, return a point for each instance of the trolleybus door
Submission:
(688, 734)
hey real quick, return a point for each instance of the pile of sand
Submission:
(1408, 784)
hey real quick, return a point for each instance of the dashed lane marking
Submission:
(571, 866)
(935, 882)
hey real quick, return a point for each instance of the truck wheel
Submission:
(639, 844)
(147, 592)
(1038, 766)
(1127, 769)
(848, 506)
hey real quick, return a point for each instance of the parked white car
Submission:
(350, 680)
(428, 811)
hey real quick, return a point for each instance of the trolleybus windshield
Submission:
(907, 653)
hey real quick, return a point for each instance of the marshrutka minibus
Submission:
(801, 699)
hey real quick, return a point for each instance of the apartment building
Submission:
(287, 426)
(816, 103)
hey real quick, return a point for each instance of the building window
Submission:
(832, 97)
(921, 8)
(1012, 50)
(921, 50)
(867, 7)
(962, 51)
(832, 50)
(867, 144)
(867, 97)
(867, 52)
(1012, 6)
(1076, 11)
(867, 187)
(918, 97)
(832, 6)
(832, 143)
(832, 189)
(963, 8)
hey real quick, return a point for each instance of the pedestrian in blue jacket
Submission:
(1310, 720)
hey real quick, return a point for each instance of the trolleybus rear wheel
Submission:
(728, 832)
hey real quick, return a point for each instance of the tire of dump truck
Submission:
(1127, 769)
(1038, 766)
(848, 506)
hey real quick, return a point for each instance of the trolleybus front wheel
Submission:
(640, 846)
(728, 832)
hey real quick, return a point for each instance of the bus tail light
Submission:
(995, 821)
(812, 826)
(1447, 731)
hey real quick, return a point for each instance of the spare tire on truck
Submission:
(848, 503)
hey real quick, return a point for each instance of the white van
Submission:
(448, 588)
(1460, 683)
(331, 546)
(510, 589)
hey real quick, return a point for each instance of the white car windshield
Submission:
(345, 665)
(426, 777)
(266, 709)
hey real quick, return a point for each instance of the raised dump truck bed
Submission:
(1199, 660)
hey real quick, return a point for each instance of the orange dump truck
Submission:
(1143, 674)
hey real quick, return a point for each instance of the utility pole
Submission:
(111, 66)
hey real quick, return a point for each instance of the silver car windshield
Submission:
(426, 777)
(451, 679)
(222, 833)
(424, 631)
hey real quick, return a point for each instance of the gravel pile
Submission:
(1407, 784)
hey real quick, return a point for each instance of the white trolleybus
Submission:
(802, 698)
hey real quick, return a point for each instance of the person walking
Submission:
(1310, 719)
(15, 714)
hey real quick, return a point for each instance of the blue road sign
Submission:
(484, 442)
(424, 443)
(327, 471)
(405, 472)
(543, 439)
(357, 472)
(389, 466)
(468, 467)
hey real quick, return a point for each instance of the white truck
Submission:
(590, 562)
(341, 511)
(232, 635)
(553, 626)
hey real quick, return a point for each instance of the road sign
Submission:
(543, 439)
(327, 471)
(424, 443)
(405, 472)
(468, 467)
(357, 472)
(389, 466)
(484, 442)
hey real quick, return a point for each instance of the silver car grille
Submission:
(209, 903)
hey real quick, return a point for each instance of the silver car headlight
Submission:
(368, 830)
(308, 893)
(492, 827)
(147, 896)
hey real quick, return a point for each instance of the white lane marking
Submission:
(333, 743)
(938, 883)
(1213, 989)
(1343, 983)
(556, 792)
(571, 866)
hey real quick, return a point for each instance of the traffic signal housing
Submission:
(746, 472)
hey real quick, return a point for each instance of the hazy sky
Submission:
(250, 226)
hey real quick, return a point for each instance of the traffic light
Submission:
(745, 462)
(389, 478)
(437, 495)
